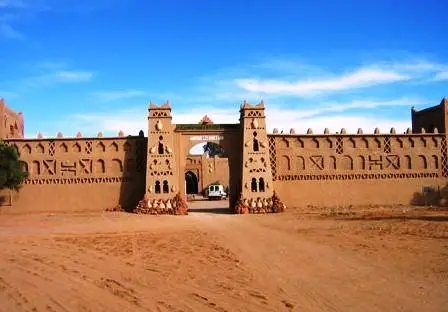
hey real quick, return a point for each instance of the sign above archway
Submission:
(206, 138)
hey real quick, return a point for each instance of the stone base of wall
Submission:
(259, 206)
(174, 206)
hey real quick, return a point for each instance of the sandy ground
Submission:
(308, 260)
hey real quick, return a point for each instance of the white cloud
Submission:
(133, 120)
(6, 30)
(417, 66)
(51, 65)
(365, 104)
(361, 78)
(114, 95)
(335, 123)
(62, 76)
(7, 94)
(211, 95)
(73, 76)
(15, 12)
(10, 4)
(441, 76)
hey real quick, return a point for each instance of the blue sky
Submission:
(93, 66)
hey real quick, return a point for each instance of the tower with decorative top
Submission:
(162, 172)
(257, 187)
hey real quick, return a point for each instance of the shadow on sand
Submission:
(379, 218)
(221, 210)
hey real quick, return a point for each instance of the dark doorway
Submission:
(191, 181)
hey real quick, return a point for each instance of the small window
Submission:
(165, 187)
(157, 188)
(160, 148)
(261, 185)
(255, 144)
(253, 185)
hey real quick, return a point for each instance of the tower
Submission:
(161, 174)
(256, 175)
(11, 123)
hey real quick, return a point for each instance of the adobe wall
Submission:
(92, 174)
(208, 170)
(356, 169)
(11, 123)
(79, 174)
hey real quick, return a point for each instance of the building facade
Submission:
(96, 173)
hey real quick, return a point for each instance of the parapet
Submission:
(247, 105)
(165, 105)
(360, 131)
(79, 135)
(159, 111)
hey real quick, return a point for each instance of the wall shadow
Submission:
(385, 218)
(219, 210)
(430, 197)
(3, 200)
(132, 188)
(192, 183)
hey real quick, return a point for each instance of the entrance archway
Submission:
(191, 182)
(213, 153)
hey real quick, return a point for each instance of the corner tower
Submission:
(161, 173)
(11, 123)
(257, 187)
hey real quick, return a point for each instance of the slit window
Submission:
(261, 185)
(256, 143)
(165, 187)
(253, 185)
(160, 148)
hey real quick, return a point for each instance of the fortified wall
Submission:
(79, 174)
(92, 174)
(363, 169)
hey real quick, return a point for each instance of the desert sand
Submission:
(374, 259)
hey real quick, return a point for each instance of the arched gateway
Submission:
(191, 183)
(246, 144)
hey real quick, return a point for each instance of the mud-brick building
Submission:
(95, 173)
